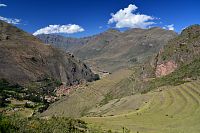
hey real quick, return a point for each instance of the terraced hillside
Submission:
(81, 100)
(168, 110)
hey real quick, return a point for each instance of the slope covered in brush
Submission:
(177, 62)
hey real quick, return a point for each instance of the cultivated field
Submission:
(167, 110)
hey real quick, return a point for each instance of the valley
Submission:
(82, 99)
(148, 97)
(141, 80)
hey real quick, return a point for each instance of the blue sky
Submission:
(90, 17)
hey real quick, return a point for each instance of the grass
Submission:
(172, 110)
(16, 124)
(87, 97)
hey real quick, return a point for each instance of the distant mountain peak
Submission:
(113, 30)
(191, 30)
(113, 49)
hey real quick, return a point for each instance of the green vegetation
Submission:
(43, 87)
(169, 104)
(185, 47)
(26, 101)
(106, 99)
(184, 74)
(7, 90)
(120, 90)
(81, 100)
(34, 91)
(51, 125)
(5, 125)
(172, 110)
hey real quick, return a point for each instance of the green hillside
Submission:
(91, 95)
(169, 110)
(184, 74)
(182, 53)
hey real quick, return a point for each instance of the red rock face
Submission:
(165, 68)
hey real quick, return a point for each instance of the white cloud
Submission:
(3, 5)
(69, 29)
(127, 18)
(169, 27)
(10, 20)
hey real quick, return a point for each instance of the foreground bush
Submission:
(15, 124)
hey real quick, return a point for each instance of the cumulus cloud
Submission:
(10, 20)
(69, 29)
(126, 18)
(3, 5)
(169, 27)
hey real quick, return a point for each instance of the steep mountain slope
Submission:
(181, 50)
(176, 63)
(112, 50)
(24, 59)
(97, 44)
(66, 43)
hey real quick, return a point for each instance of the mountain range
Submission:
(149, 81)
(112, 49)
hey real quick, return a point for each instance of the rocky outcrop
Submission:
(179, 51)
(165, 68)
(66, 43)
